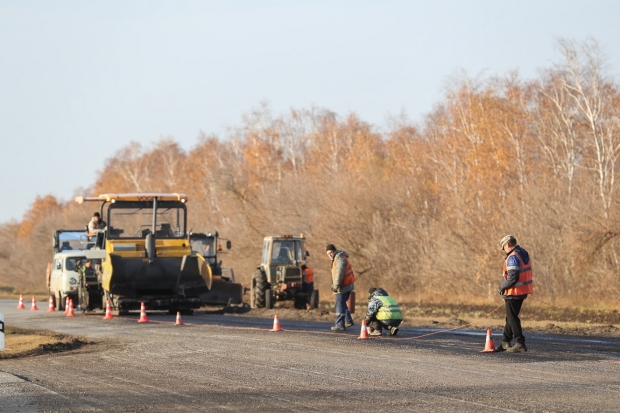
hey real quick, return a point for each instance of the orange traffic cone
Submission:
(70, 312)
(33, 306)
(143, 318)
(21, 306)
(179, 321)
(276, 324)
(489, 345)
(108, 311)
(52, 306)
(67, 305)
(363, 332)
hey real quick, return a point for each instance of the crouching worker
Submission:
(383, 312)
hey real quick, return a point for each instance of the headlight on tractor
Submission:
(72, 281)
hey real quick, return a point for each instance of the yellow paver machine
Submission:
(148, 256)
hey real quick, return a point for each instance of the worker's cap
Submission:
(370, 291)
(507, 238)
(330, 247)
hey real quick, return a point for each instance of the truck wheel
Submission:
(314, 299)
(260, 289)
(268, 298)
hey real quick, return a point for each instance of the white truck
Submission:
(70, 248)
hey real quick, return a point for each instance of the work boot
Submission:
(505, 346)
(373, 332)
(393, 330)
(517, 348)
(349, 324)
(338, 328)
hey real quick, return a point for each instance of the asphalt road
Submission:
(233, 363)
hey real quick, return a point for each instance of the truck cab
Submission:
(65, 278)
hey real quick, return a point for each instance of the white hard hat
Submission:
(507, 238)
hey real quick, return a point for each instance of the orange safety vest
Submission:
(309, 275)
(349, 277)
(524, 283)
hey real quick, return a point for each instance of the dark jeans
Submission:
(380, 325)
(308, 287)
(342, 311)
(513, 323)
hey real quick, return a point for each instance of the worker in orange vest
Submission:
(308, 283)
(342, 285)
(516, 285)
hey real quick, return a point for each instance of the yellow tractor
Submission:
(148, 256)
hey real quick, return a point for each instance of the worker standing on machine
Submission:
(95, 228)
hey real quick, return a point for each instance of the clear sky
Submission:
(81, 79)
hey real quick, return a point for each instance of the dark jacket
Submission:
(339, 266)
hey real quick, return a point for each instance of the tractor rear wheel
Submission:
(260, 288)
(314, 299)
(268, 298)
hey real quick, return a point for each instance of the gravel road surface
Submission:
(232, 363)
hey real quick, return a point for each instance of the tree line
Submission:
(420, 207)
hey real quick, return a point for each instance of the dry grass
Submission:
(21, 343)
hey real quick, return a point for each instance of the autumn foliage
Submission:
(419, 207)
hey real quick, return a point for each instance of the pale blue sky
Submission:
(80, 79)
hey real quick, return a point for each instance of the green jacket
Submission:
(383, 307)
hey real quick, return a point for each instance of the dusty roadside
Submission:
(534, 318)
(24, 343)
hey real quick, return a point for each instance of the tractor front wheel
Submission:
(268, 299)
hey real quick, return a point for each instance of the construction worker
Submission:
(516, 285)
(93, 225)
(342, 285)
(84, 268)
(95, 229)
(383, 312)
(307, 283)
